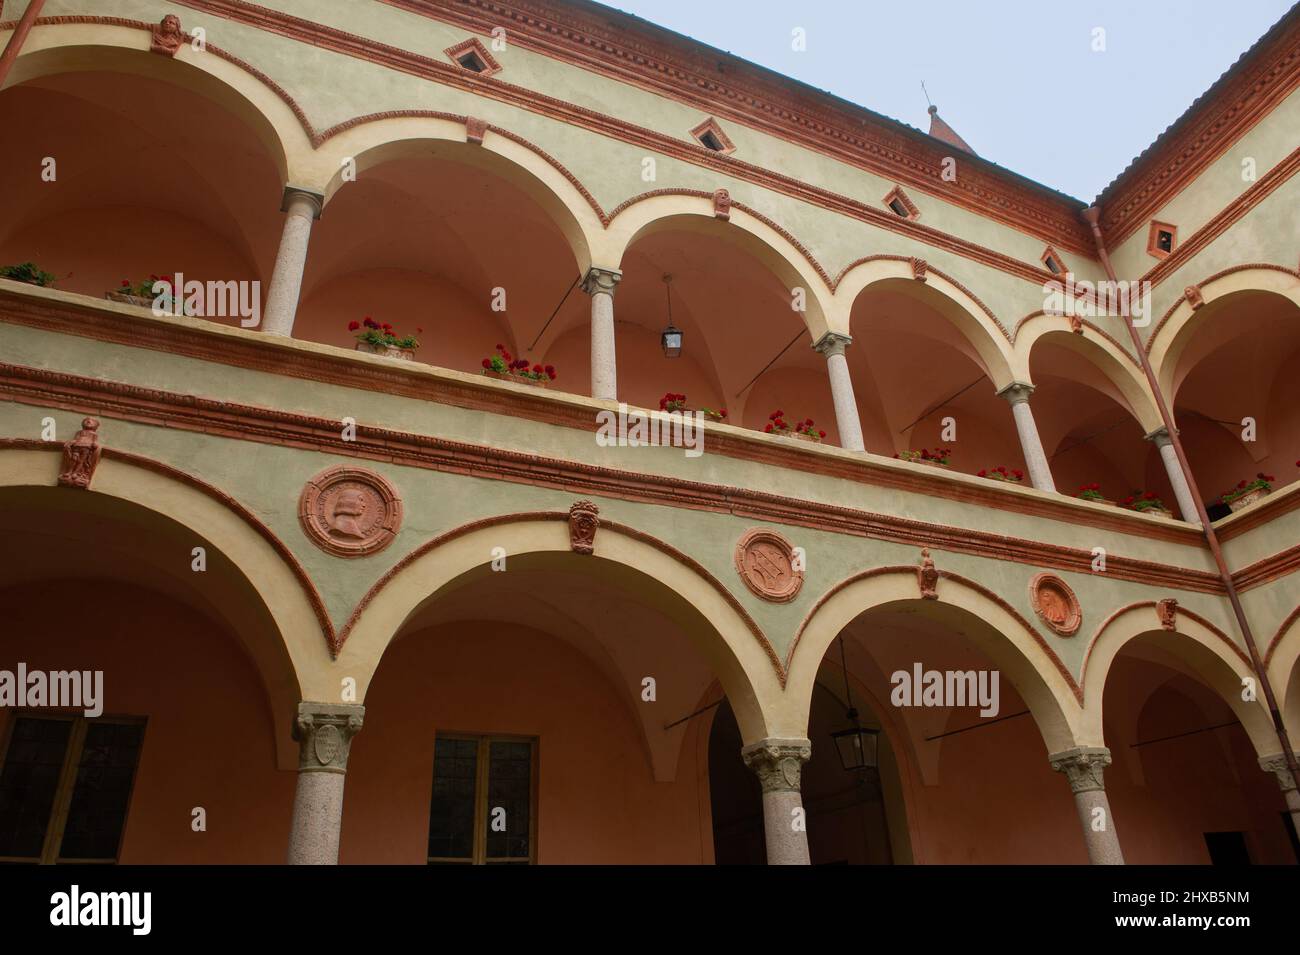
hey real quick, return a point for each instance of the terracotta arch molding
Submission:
(1286, 625)
(928, 269)
(605, 525)
(909, 571)
(1201, 286)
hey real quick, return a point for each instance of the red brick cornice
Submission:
(1241, 98)
(1268, 569)
(239, 422)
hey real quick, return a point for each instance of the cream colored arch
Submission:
(1020, 653)
(710, 617)
(77, 47)
(1176, 329)
(984, 333)
(756, 234)
(1206, 651)
(295, 668)
(1100, 351)
(368, 142)
(1282, 661)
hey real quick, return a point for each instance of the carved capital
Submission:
(832, 343)
(583, 521)
(1017, 392)
(1160, 437)
(1083, 766)
(778, 763)
(601, 281)
(81, 456)
(324, 733)
(297, 196)
(1276, 764)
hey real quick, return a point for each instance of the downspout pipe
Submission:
(18, 37)
(1092, 216)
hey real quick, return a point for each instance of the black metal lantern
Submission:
(671, 339)
(857, 746)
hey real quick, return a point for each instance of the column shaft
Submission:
(1031, 446)
(778, 764)
(600, 284)
(1083, 767)
(846, 405)
(324, 732)
(1178, 480)
(301, 209)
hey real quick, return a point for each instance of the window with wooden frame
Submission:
(472, 55)
(484, 805)
(709, 134)
(65, 786)
(900, 204)
(1053, 262)
(1162, 239)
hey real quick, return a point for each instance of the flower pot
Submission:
(1157, 511)
(517, 379)
(1249, 498)
(714, 416)
(798, 436)
(138, 300)
(1100, 500)
(387, 351)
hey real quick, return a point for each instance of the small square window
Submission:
(1162, 239)
(710, 135)
(898, 202)
(472, 55)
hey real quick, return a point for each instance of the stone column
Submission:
(1182, 493)
(599, 284)
(1276, 765)
(1083, 766)
(778, 763)
(832, 345)
(301, 208)
(324, 733)
(1040, 473)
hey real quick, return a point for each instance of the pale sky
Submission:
(1018, 80)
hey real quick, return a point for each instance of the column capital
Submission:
(778, 762)
(1159, 437)
(1016, 392)
(1276, 764)
(1083, 766)
(599, 280)
(294, 194)
(324, 733)
(832, 343)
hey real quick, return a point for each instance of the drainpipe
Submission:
(19, 36)
(1092, 216)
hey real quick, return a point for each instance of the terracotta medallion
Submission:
(1055, 603)
(766, 563)
(350, 512)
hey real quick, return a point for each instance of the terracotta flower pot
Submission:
(387, 351)
(138, 300)
(798, 436)
(1249, 498)
(517, 379)
(713, 416)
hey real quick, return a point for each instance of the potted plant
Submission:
(672, 401)
(712, 415)
(938, 458)
(142, 293)
(1092, 492)
(1146, 502)
(379, 338)
(27, 272)
(800, 430)
(1003, 473)
(505, 366)
(1247, 493)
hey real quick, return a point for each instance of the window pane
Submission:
(451, 812)
(28, 783)
(102, 791)
(510, 787)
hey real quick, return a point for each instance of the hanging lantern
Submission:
(857, 746)
(671, 339)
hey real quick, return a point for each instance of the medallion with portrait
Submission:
(350, 512)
